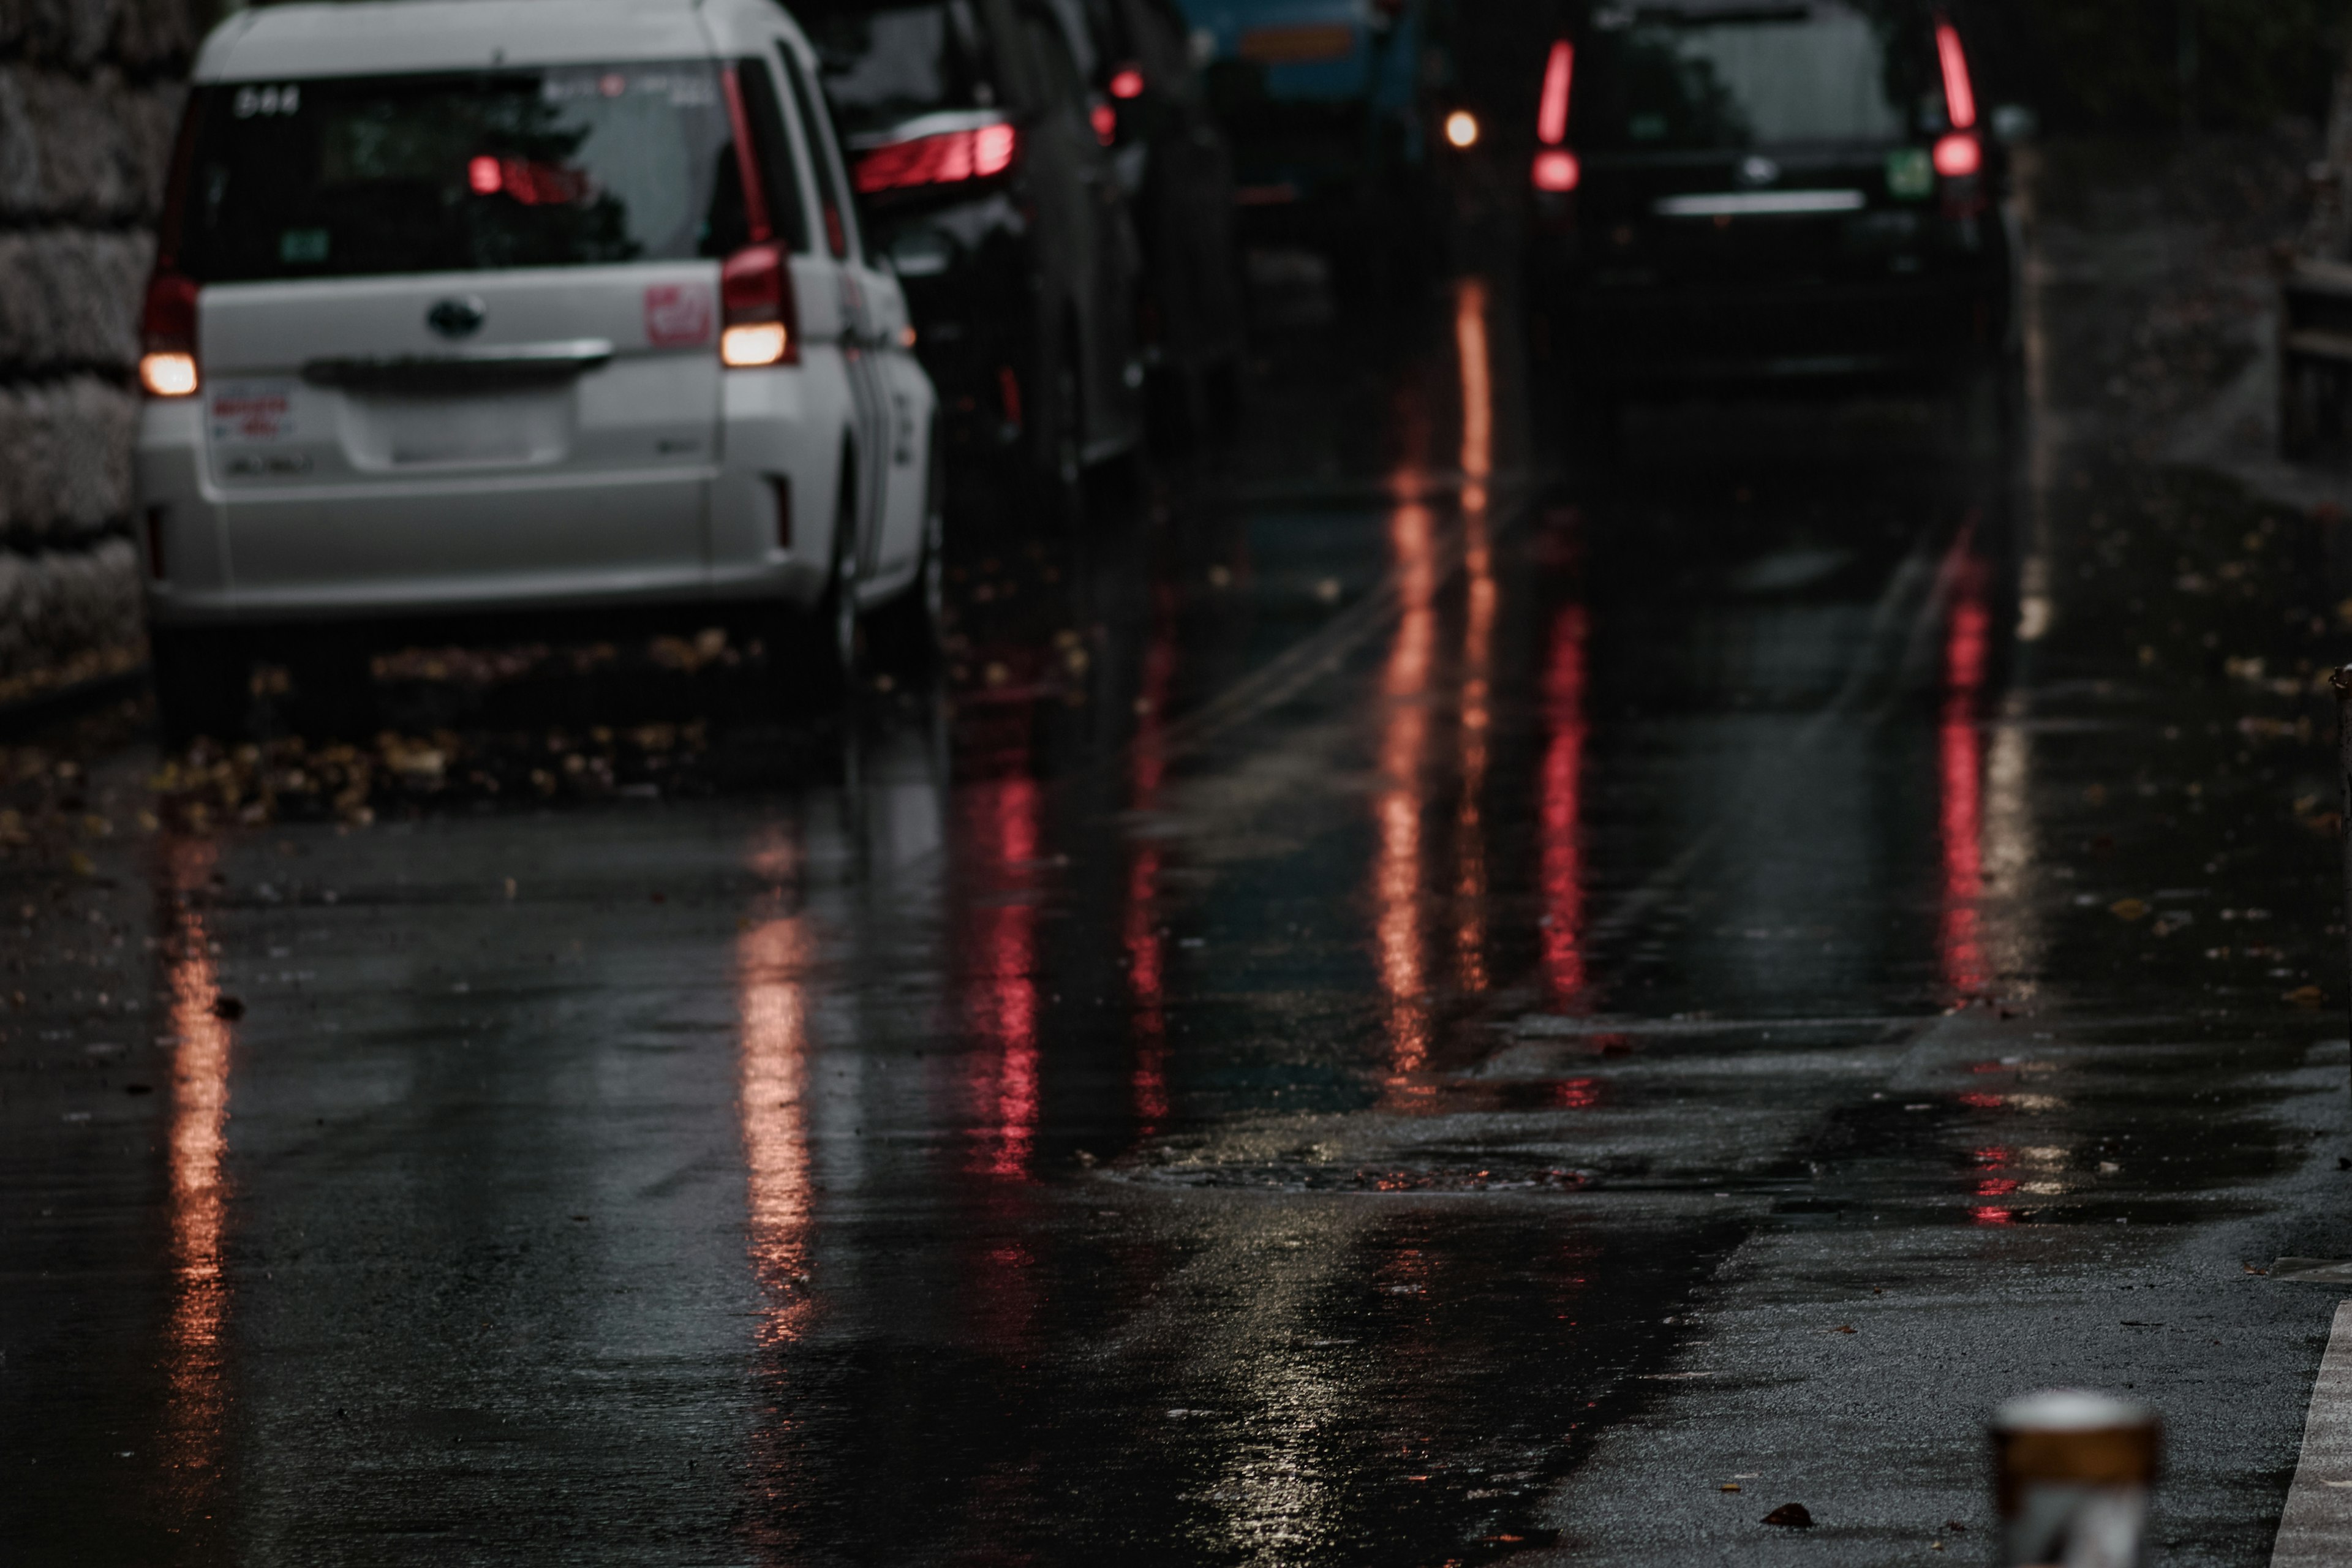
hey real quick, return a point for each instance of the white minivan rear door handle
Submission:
(509, 365)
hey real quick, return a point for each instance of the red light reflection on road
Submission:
(1397, 890)
(1993, 1216)
(1960, 775)
(1147, 956)
(1560, 808)
(1477, 629)
(772, 1002)
(1000, 1000)
(194, 1335)
(1578, 1093)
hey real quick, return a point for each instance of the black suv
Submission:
(981, 176)
(1728, 189)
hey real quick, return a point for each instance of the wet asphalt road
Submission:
(1433, 1001)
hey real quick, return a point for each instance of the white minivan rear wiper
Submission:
(508, 365)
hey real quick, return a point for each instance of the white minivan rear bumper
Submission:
(754, 524)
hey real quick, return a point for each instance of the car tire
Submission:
(1062, 464)
(333, 686)
(202, 680)
(837, 636)
(906, 635)
(1593, 414)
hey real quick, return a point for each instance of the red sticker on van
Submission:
(678, 315)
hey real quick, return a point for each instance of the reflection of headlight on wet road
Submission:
(1462, 128)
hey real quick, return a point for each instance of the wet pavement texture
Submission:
(1431, 999)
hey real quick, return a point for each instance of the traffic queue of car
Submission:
(474, 308)
(480, 308)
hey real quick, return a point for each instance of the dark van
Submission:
(980, 174)
(1726, 190)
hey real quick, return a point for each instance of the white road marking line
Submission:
(2316, 1530)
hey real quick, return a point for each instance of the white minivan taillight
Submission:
(167, 331)
(761, 316)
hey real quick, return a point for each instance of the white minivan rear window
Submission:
(352, 176)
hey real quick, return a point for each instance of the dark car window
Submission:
(371, 175)
(886, 62)
(778, 176)
(1770, 76)
(840, 218)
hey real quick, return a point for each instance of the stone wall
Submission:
(89, 94)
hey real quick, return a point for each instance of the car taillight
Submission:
(167, 330)
(761, 314)
(1551, 114)
(946, 158)
(1127, 82)
(1555, 170)
(1959, 156)
(1959, 94)
(1105, 120)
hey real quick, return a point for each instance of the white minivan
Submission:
(482, 306)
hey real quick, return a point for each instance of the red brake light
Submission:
(761, 315)
(170, 319)
(1959, 156)
(940, 160)
(1557, 171)
(1127, 82)
(529, 184)
(1105, 120)
(167, 331)
(1551, 115)
(1959, 94)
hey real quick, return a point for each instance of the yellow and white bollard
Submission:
(2075, 1472)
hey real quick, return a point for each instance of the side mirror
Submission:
(2013, 124)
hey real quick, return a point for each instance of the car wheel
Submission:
(906, 632)
(1595, 419)
(1065, 476)
(203, 684)
(836, 656)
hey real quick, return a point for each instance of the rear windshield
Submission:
(885, 63)
(1770, 76)
(368, 176)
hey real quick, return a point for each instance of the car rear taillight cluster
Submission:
(1555, 170)
(167, 336)
(1959, 154)
(758, 314)
(756, 307)
(167, 322)
(942, 158)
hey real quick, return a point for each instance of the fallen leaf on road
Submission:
(1729, 1486)
(2306, 996)
(1791, 1516)
(2128, 908)
(1845, 1328)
